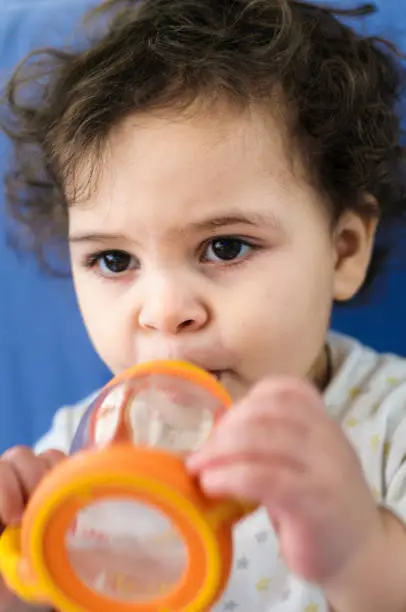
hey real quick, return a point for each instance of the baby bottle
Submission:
(120, 525)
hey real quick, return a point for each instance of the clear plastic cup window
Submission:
(157, 411)
(126, 551)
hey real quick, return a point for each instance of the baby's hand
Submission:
(279, 448)
(20, 473)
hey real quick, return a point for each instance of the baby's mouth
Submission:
(217, 373)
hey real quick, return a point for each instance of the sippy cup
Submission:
(120, 525)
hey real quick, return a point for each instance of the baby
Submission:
(218, 169)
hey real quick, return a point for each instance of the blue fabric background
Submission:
(46, 359)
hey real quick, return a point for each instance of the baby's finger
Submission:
(281, 399)
(251, 439)
(11, 495)
(52, 457)
(285, 398)
(28, 468)
(276, 486)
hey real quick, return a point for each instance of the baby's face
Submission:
(205, 241)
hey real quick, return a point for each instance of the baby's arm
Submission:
(385, 569)
(381, 575)
(375, 580)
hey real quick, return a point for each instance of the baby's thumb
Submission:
(52, 457)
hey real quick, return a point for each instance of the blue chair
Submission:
(46, 359)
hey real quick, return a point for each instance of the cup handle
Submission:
(14, 569)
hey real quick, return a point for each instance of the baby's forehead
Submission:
(196, 167)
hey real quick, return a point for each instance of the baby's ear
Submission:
(354, 237)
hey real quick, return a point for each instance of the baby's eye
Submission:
(226, 249)
(113, 263)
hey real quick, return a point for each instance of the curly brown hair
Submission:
(341, 88)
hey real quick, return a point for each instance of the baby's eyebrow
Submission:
(237, 218)
(97, 237)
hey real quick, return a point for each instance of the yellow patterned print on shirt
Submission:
(263, 584)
